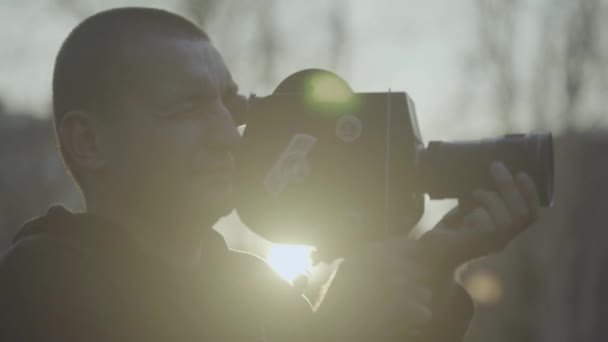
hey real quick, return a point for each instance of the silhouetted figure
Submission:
(139, 110)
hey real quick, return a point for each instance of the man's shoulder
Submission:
(33, 256)
(51, 289)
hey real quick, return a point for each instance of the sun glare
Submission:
(290, 261)
(327, 89)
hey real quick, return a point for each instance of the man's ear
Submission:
(80, 140)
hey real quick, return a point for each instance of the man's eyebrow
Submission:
(231, 89)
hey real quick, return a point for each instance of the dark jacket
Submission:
(75, 277)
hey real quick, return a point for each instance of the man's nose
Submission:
(225, 132)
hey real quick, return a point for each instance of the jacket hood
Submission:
(61, 224)
(90, 232)
(55, 219)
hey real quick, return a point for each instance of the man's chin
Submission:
(218, 207)
(222, 211)
(196, 208)
(203, 217)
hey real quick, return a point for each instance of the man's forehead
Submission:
(183, 59)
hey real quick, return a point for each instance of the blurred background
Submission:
(474, 68)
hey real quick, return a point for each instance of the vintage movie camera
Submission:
(322, 165)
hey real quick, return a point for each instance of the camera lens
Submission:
(455, 169)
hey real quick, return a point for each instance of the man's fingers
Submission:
(528, 189)
(500, 216)
(401, 283)
(389, 257)
(510, 192)
(495, 206)
(479, 221)
(407, 312)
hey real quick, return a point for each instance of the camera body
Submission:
(322, 165)
(329, 173)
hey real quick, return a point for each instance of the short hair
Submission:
(91, 59)
(91, 63)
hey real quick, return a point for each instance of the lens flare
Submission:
(328, 89)
(485, 287)
(290, 261)
(241, 129)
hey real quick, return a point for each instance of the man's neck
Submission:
(172, 241)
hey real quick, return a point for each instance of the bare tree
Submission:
(549, 76)
(267, 41)
(338, 29)
(77, 8)
(201, 10)
(580, 52)
(221, 15)
(558, 82)
(497, 34)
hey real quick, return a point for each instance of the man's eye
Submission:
(229, 96)
(234, 102)
(187, 106)
(184, 109)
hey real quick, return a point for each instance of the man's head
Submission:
(138, 98)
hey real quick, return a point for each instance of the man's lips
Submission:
(216, 174)
(220, 179)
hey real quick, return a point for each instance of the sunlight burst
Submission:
(290, 261)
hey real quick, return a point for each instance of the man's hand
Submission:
(385, 291)
(379, 294)
(490, 225)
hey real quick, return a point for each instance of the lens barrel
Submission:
(455, 169)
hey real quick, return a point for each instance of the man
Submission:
(139, 102)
